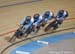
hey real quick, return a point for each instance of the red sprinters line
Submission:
(15, 29)
(71, 19)
(7, 32)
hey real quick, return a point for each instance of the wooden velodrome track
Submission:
(12, 13)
